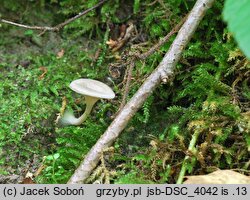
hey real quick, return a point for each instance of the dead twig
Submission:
(127, 86)
(57, 27)
(163, 40)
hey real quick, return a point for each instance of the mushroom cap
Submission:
(93, 88)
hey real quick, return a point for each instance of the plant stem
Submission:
(191, 148)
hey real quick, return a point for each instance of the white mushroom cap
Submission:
(93, 88)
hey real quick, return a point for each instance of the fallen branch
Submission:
(161, 73)
(57, 27)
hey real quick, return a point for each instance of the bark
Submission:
(162, 73)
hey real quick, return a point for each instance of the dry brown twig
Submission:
(128, 77)
(57, 27)
(163, 40)
(162, 73)
(131, 64)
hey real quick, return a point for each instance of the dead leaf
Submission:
(62, 109)
(39, 170)
(64, 103)
(44, 70)
(112, 43)
(125, 35)
(219, 177)
(60, 53)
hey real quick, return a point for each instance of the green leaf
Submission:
(237, 14)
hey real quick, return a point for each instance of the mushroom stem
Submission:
(70, 119)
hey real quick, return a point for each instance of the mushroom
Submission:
(92, 90)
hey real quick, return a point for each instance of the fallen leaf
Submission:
(112, 43)
(44, 70)
(219, 177)
(39, 170)
(125, 35)
(64, 103)
(62, 109)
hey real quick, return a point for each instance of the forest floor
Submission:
(208, 97)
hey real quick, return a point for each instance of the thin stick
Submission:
(163, 71)
(47, 28)
(128, 80)
(57, 27)
(80, 14)
(163, 40)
